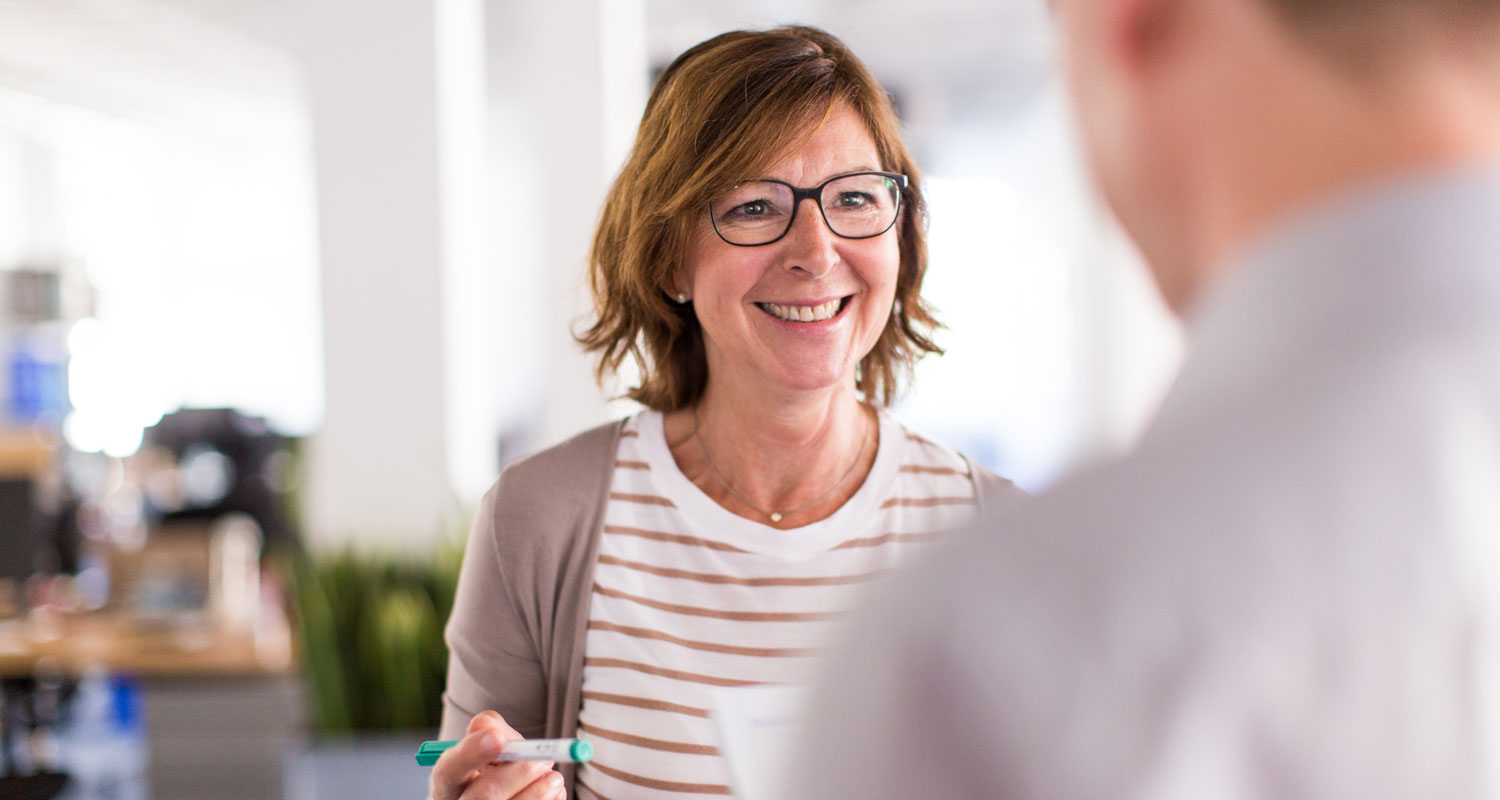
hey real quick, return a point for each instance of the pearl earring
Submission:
(681, 297)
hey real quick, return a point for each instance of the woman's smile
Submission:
(803, 314)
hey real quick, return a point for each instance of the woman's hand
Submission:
(465, 772)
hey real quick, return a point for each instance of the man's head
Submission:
(1207, 120)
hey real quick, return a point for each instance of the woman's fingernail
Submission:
(490, 743)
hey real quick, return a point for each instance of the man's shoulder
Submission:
(1149, 528)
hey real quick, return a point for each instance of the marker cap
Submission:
(582, 750)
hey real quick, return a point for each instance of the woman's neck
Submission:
(765, 458)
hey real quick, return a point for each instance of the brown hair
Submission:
(720, 112)
(1309, 10)
(1369, 33)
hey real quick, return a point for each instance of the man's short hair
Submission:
(1352, 11)
(1370, 32)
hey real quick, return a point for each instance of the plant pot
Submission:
(375, 766)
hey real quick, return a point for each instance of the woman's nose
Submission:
(810, 244)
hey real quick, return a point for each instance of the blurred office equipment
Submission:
(26, 462)
(36, 354)
(104, 747)
(204, 463)
(17, 527)
(30, 761)
(166, 587)
(211, 703)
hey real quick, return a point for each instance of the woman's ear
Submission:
(674, 292)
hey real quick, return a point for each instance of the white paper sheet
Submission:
(757, 727)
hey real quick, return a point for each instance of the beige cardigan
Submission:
(516, 635)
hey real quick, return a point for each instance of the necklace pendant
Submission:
(775, 516)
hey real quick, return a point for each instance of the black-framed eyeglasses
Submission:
(859, 205)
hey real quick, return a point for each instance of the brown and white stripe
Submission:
(689, 598)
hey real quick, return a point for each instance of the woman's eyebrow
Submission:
(852, 170)
(830, 176)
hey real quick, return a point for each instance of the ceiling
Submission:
(223, 65)
(954, 43)
(950, 64)
(151, 62)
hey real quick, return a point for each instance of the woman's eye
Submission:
(854, 200)
(756, 210)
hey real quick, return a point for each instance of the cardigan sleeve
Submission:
(515, 637)
(493, 660)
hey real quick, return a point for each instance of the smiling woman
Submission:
(772, 92)
(761, 257)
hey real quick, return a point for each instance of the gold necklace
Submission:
(776, 516)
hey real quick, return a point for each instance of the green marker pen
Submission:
(560, 750)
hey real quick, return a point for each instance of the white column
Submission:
(586, 83)
(395, 94)
(475, 351)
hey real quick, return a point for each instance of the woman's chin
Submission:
(809, 379)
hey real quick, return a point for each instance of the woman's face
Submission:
(745, 297)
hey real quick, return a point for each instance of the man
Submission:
(1291, 589)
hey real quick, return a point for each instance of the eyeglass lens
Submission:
(854, 206)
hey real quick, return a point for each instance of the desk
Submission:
(221, 708)
(184, 646)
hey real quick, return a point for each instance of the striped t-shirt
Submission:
(689, 597)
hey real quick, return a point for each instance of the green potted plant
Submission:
(370, 629)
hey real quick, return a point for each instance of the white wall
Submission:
(453, 275)
(391, 99)
(579, 70)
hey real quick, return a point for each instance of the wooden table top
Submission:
(188, 645)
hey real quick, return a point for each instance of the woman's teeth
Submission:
(802, 313)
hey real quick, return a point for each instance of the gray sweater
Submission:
(516, 635)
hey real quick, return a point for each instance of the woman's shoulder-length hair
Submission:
(720, 112)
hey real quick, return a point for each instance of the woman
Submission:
(760, 256)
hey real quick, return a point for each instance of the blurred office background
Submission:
(293, 278)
